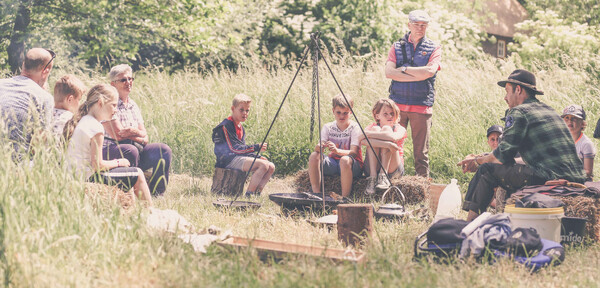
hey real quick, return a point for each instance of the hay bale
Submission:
(579, 206)
(414, 188)
(109, 195)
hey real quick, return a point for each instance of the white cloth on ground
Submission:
(482, 230)
(168, 220)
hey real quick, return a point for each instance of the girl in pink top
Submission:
(387, 138)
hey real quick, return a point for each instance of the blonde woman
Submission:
(85, 135)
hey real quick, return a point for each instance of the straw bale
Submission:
(579, 206)
(109, 194)
(414, 188)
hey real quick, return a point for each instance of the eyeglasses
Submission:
(53, 56)
(126, 79)
(419, 25)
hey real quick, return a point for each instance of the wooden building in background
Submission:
(502, 17)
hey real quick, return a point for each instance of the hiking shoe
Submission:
(382, 182)
(370, 189)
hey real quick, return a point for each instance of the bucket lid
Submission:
(533, 211)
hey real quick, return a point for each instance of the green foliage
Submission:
(549, 36)
(355, 26)
(581, 11)
(164, 33)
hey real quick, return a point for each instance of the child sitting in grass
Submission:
(574, 116)
(233, 153)
(85, 136)
(68, 91)
(387, 138)
(341, 138)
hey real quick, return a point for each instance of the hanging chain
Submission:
(315, 59)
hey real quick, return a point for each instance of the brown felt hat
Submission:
(524, 78)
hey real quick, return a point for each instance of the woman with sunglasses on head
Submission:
(126, 135)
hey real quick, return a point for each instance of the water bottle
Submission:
(449, 202)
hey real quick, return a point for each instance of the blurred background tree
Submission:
(213, 34)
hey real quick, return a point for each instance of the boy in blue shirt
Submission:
(233, 153)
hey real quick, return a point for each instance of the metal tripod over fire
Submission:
(317, 55)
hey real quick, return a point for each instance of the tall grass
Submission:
(53, 235)
(181, 109)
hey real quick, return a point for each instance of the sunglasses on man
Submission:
(51, 59)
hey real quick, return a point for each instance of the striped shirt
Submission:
(60, 117)
(25, 107)
(542, 138)
(129, 115)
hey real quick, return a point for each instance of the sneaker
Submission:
(249, 194)
(370, 189)
(382, 182)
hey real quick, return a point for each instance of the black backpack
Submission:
(446, 231)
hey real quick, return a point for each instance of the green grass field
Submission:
(52, 235)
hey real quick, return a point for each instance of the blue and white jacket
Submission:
(228, 145)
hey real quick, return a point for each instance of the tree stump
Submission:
(228, 182)
(355, 223)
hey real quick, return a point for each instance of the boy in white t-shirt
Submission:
(574, 117)
(68, 91)
(342, 139)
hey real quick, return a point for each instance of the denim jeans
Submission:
(492, 175)
(157, 156)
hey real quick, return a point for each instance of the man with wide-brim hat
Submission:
(532, 129)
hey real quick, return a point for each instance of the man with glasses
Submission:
(412, 65)
(25, 105)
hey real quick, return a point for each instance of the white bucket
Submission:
(545, 220)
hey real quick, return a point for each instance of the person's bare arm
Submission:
(588, 166)
(113, 128)
(380, 144)
(98, 163)
(393, 136)
(471, 163)
(412, 74)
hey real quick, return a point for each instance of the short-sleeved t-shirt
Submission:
(25, 107)
(400, 142)
(59, 119)
(343, 139)
(79, 151)
(585, 147)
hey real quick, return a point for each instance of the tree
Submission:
(158, 32)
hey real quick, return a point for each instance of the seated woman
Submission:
(85, 135)
(574, 117)
(126, 135)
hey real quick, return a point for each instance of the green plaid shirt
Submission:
(542, 138)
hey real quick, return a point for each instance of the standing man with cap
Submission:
(412, 65)
(25, 105)
(574, 117)
(534, 130)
